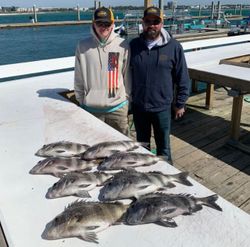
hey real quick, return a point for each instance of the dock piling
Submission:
(34, 13)
(78, 13)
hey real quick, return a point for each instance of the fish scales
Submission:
(77, 184)
(105, 149)
(124, 160)
(83, 220)
(62, 149)
(162, 208)
(59, 166)
(133, 184)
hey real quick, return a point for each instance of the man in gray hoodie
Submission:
(102, 84)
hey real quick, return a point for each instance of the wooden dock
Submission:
(200, 146)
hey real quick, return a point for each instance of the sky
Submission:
(90, 3)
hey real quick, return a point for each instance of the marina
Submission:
(211, 142)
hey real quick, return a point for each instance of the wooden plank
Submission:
(231, 184)
(241, 195)
(246, 206)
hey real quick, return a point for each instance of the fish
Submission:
(161, 208)
(124, 160)
(131, 184)
(62, 149)
(83, 220)
(58, 167)
(105, 149)
(77, 184)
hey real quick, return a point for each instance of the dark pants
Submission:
(161, 122)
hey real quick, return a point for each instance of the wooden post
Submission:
(209, 96)
(199, 10)
(78, 13)
(235, 118)
(147, 3)
(161, 5)
(95, 4)
(212, 10)
(240, 9)
(35, 14)
(218, 10)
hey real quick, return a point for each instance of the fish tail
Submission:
(210, 202)
(182, 178)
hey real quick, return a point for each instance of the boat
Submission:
(131, 24)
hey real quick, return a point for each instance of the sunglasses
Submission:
(152, 22)
(103, 24)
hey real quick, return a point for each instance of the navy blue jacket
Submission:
(155, 74)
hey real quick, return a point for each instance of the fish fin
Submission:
(196, 208)
(89, 236)
(182, 178)
(170, 185)
(83, 194)
(121, 220)
(167, 222)
(210, 202)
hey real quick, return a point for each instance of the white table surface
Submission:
(33, 114)
(208, 43)
(208, 60)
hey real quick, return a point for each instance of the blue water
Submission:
(31, 44)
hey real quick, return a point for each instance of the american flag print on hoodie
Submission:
(113, 65)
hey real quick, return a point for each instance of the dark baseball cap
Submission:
(103, 15)
(153, 12)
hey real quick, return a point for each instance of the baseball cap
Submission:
(154, 12)
(103, 15)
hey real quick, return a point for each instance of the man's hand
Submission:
(179, 112)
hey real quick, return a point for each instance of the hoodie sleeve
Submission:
(181, 78)
(78, 79)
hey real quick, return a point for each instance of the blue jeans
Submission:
(161, 122)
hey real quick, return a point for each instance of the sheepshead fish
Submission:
(162, 208)
(83, 220)
(105, 149)
(132, 184)
(61, 166)
(77, 184)
(123, 160)
(61, 149)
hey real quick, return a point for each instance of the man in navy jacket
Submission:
(159, 79)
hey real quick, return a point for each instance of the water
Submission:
(31, 44)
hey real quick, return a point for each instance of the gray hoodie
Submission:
(102, 78)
